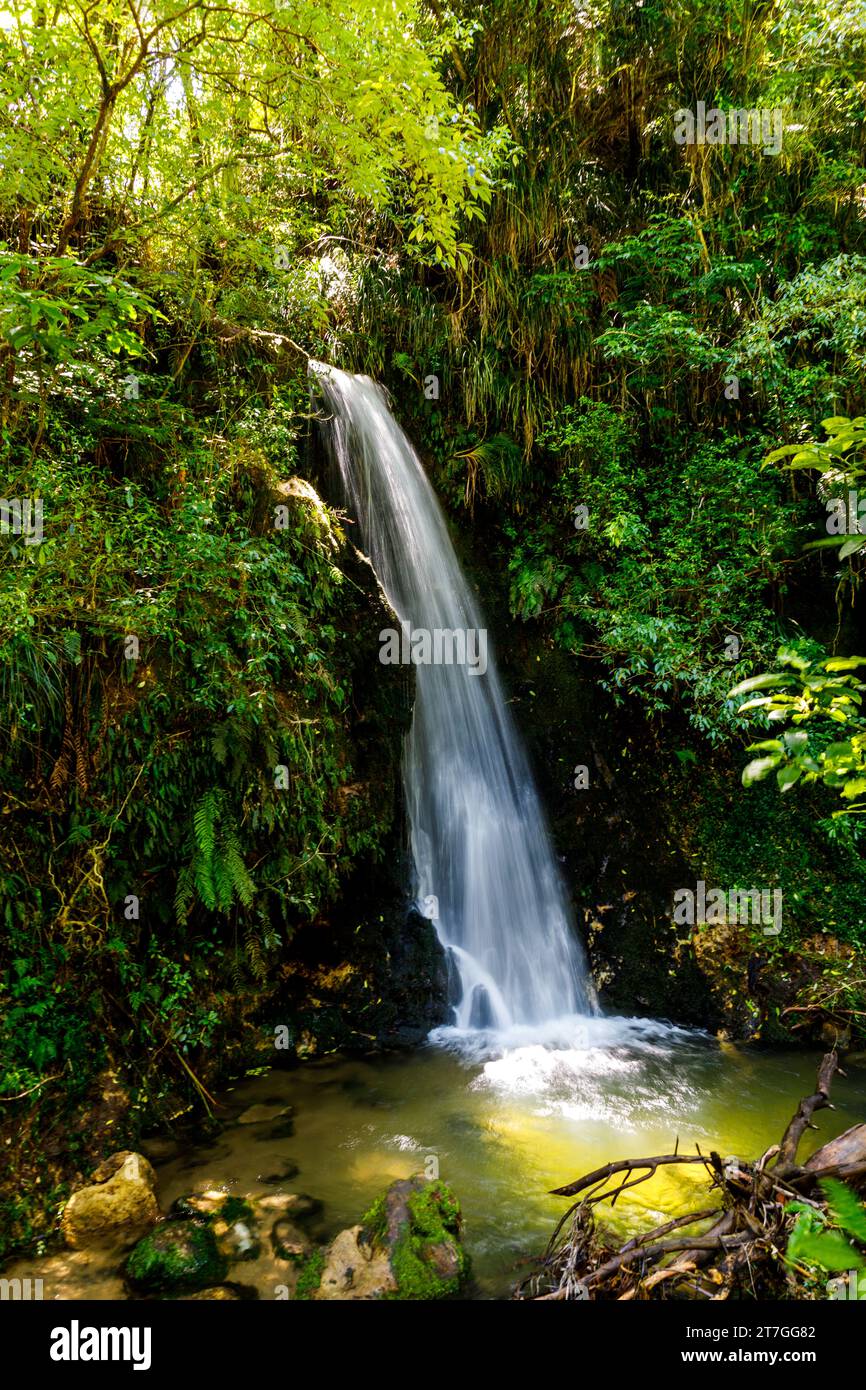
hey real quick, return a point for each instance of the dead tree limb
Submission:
(802, 1120)
(745, 1241)
(624, 1165)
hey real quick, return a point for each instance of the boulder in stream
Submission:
(118, 1208)
(268, 1112)
(408, 1247)
(177, 1256)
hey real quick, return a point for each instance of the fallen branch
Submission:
(747, 1237)
(802, 1120)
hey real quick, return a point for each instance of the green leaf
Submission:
(758, 769)
(787, 776)
(848, 1211)
(795, 739)
(763, 682)
(829, 1249)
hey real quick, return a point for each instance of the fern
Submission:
(216, 874)
(846, 1208)
(813, 1242)
(204, 820)
(240, 880)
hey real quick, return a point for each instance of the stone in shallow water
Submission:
(161, 1148)
(408, 1248)
(231, 1219)
(267, 1112)
(117, 1209)
(236, 1239)
(177, 1255)
(288, 1171)
(197, 1206)
(220, 1293)
(288, 1242)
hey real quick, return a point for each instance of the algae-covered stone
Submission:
(407, 1248)
(310, 1277)
(234, 1227)
(231, 1219)
(178, 1255)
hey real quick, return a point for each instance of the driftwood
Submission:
(849, 1147)
(741, 1250)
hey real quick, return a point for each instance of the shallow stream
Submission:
(503, 1131)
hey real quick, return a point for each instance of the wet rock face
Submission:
(267, 1113)
(408, 1248)
(607, 790)
(377, 980)
(118, 1208)
(368, 972)
(754, 987)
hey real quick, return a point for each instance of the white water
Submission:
(478, 838)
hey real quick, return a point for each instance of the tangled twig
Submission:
(746, 1236)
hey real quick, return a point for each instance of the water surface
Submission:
(503, 1131)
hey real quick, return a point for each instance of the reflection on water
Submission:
(506, 1128)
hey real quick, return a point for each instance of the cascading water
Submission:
(478, 838)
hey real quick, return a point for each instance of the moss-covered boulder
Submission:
(179, 1255)
(408, 1247)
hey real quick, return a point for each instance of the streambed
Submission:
(501, 1130)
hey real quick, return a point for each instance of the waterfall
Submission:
(484, 867)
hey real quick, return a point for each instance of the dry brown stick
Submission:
(687, 1220)
(637, 1241)
(665, 1247)
(802, 1119)
(697, 1256)
(625, 1165)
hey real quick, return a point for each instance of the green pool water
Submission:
(505, 1130)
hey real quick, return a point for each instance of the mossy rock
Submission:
(418, 1223)
(231, 1219)
(288, 1242)
(178, 1255)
